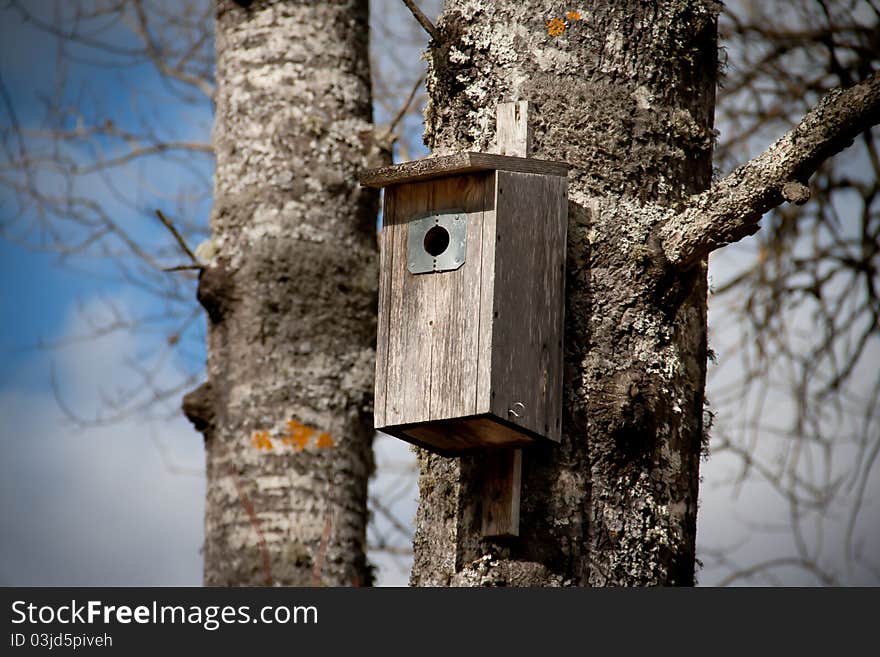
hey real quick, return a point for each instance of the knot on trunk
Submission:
(198, 407)
(216, 292)
(632, 410)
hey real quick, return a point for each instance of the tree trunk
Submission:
(624, 93)
(291, 298)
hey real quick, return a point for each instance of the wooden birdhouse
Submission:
(472, 268)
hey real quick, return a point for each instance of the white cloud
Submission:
(106, 505)
(100, 506)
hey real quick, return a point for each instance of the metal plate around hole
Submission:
(419, 261)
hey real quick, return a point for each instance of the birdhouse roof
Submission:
(457, 163)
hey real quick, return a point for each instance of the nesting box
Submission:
(472, 266)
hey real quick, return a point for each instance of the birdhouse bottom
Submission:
(461, 435)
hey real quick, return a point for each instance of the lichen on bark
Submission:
(292, 318)
(626, 96)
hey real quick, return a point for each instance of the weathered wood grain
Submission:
(431, 360)
(386, 259)
(463, 435)
(513, 132)
(502, 476)
(531, 213)
(471, 358)
(487, 281)
(456, 164)
(408, 382)
(502, 471)
(456, 298)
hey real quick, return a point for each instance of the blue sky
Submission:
(103, 504)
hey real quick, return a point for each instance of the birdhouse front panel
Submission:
(469, 350)
(430, 368)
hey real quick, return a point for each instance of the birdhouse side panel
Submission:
(532, 217)
(428, 368)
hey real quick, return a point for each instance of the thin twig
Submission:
(805, 564)
(423, 20)
(385, 136)
(199, 267)
(403, 108)
(156, 55)
(390, 517)
(183, 245)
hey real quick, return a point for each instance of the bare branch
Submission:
(731, 208)
(395, 522)
(404, 108)
(422, 19)
(795, 562)
(156, 56)
(182, 242)
(185, 268)
(139, 152)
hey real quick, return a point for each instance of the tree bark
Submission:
(625, 93)
(291, 298)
